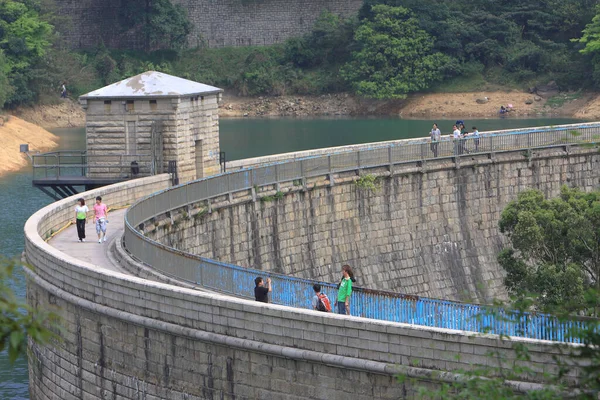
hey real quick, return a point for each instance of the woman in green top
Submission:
(345, 290)
(81, 211)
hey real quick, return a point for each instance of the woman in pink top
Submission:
(101, 217)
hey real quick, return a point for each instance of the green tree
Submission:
(24, 40)
(18, 321)
(6, 89)
(395, 56)
(162, 23)
(554, 247)
(328, 43)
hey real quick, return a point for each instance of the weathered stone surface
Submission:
(432, 234)
(128, 338)
(215, 23)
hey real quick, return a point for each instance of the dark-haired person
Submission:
(261, 293)
(81, 211)
(345, 290)
(101, 218)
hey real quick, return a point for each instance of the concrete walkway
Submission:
(91, 251)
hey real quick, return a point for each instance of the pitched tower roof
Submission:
(151, 84)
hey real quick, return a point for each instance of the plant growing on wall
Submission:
(367, 182)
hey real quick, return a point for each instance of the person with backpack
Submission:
(345, 290)
(320, 301)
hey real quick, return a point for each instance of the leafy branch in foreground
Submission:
(18, 321)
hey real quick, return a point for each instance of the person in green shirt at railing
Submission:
(345, 290)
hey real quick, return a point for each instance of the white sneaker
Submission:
(99, 240)
(104, 239)
(83, 240)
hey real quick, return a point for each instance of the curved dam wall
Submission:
(123, 337)
(430, 231)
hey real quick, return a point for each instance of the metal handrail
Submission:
(61, 164)
(416, 310)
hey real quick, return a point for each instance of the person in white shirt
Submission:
(456, 139)
(435, 135)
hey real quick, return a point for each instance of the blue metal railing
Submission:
(388, 306)
(298, 292)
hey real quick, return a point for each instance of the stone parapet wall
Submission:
(126, 337)
(430, 231)
(215, 23)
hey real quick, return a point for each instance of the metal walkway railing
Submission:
(297, 292)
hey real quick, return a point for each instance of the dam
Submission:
(144, 326)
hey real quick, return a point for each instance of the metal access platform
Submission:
(61, 174)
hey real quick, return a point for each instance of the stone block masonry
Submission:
(431, 232)
(216, 23)
(123, 337)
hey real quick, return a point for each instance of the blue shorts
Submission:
(101, 225)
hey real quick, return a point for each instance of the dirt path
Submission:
(15, 132)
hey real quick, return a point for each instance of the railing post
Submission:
(390, 164)
(277, 181)
(303, 173)
(358, 162)
(252, 188)
(229, 195)
(330, 174)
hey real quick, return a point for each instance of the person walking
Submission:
(436, 136)
(81, 211)
(261, 293)
(476, 137)
(101, 218)
(63, 91)
(345, 290)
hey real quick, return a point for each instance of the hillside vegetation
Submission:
(390, 49)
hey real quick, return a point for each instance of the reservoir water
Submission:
(240, 138)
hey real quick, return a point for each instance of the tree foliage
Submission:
(24, 40)
(395, 56)
(554, 246)
(162, 23)
(18, 321)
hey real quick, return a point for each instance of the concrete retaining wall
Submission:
(430, 231)
(126, 337)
